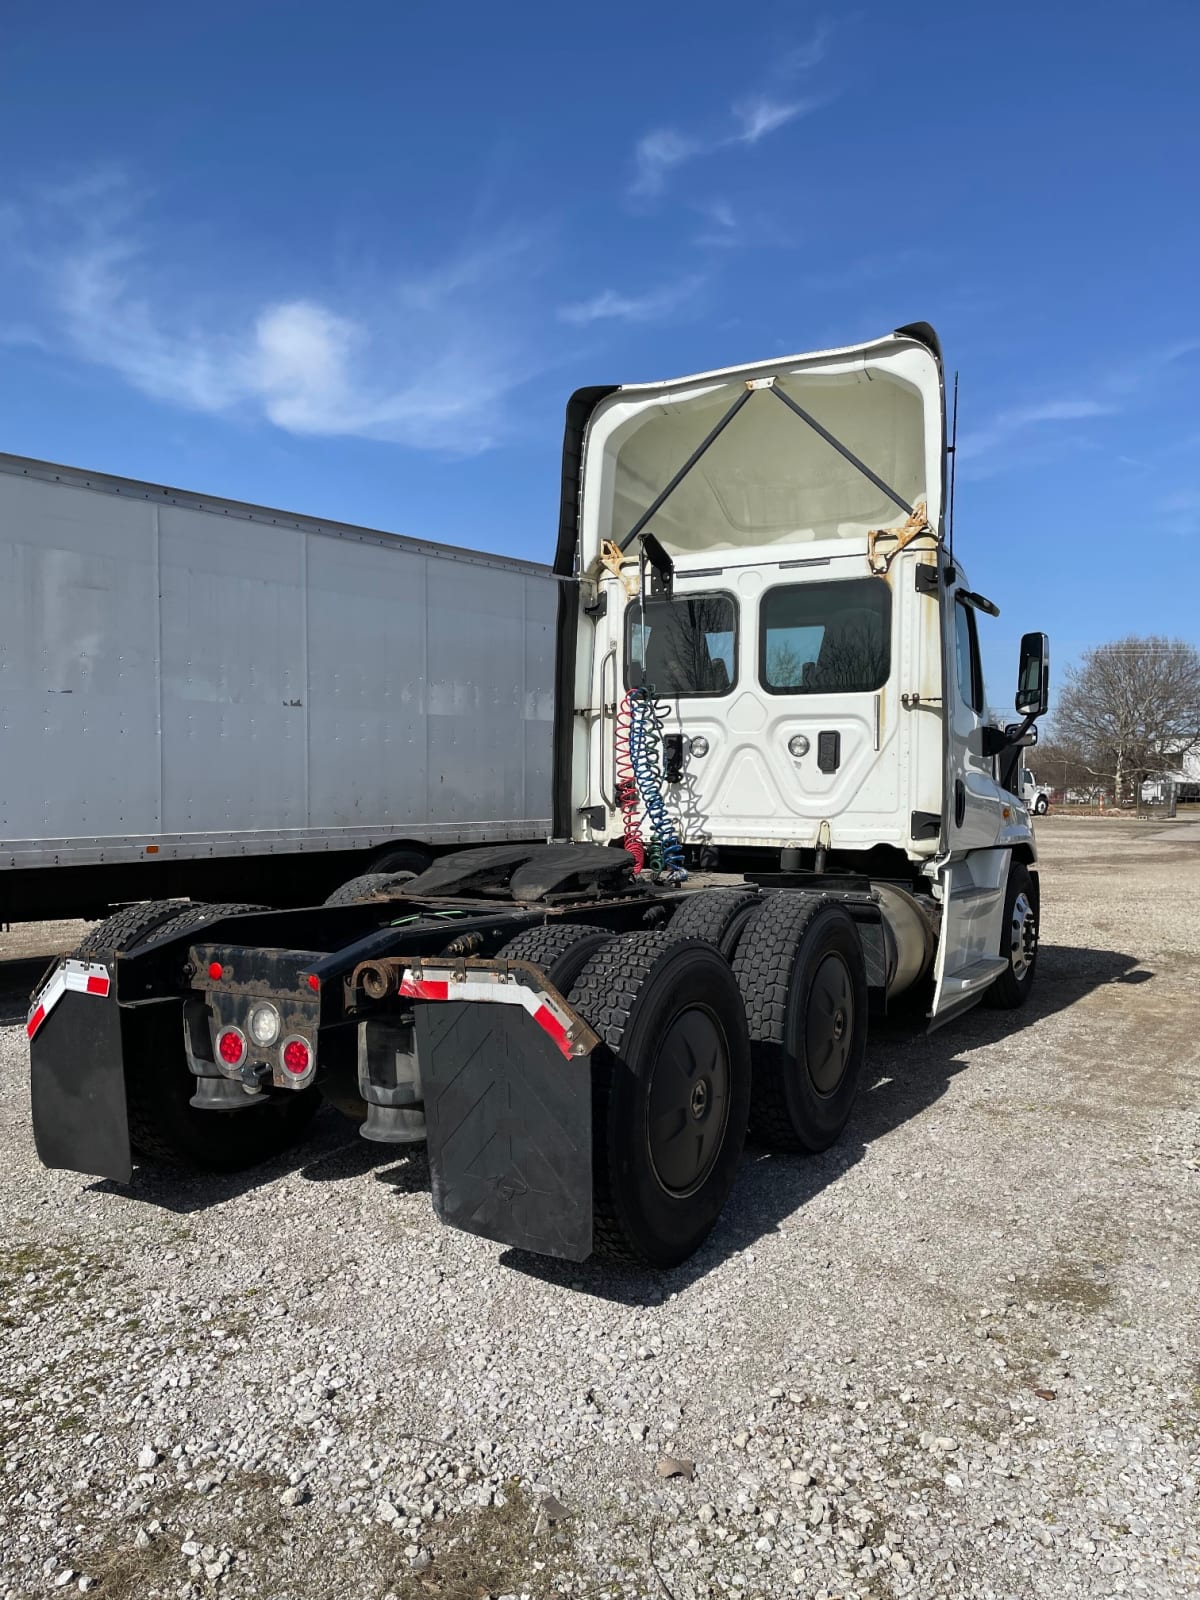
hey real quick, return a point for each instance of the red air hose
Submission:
(627, 789)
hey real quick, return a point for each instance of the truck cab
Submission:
(790, 611)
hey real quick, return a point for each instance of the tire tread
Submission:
(763, 968)
(604, 995)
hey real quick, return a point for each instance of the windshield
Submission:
(682, 646)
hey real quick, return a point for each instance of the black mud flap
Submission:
(509, 1121)
(77, 1085)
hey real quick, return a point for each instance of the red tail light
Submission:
(297, 1057)
(231, 1046)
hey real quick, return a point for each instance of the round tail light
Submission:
(231, 1046)
(296, 1056)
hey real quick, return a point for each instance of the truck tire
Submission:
(674, 1060)
(1041, 805)
(561, 950)
(367, 885)
(1018, 941)
(157, 919)
(719, 916)
(803, 978)
(196, 915)
(126, 928)
(165, 1130)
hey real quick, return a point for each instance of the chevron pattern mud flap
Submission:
(510, 1128)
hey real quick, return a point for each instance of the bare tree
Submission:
(1062, 767)
(1132, 708)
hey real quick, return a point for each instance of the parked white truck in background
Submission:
(210, 699)
(768, 669)
(1035, 795)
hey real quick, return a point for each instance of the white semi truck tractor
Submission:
(779, 805)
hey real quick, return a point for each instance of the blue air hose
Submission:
(645, 756)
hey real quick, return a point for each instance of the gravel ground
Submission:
(957, 1356)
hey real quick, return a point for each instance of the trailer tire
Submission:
(357, 891)
(1018, 941)
(719, 916)
(803, 978)
(675, 1055)
(560, 950)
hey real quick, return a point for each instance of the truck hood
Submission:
(769, 478)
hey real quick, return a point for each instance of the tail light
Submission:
(231, 1046)
(296, 1055)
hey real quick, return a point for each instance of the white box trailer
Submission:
(194, 690)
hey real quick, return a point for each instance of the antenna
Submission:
(953, 465)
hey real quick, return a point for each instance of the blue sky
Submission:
(352, 259)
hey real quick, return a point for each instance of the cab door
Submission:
(973, 795)
(974, 878)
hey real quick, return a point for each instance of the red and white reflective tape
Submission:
(84, 977)
(496, 990)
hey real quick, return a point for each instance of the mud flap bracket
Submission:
(509, 1121)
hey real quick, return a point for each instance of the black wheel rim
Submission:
(688, 1104)
(829, 1025)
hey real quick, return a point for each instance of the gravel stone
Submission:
(859, 1357)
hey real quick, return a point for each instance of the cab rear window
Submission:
(826, 638)
(686, 645)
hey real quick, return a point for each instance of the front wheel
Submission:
(1018, 941)
(1041, 805)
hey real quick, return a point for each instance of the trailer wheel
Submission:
(560, 950)
(719, 916)
(1018, 941)
(367, 886)
(670, 1094)
(803, 977)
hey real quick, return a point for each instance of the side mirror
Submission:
(1033, 680)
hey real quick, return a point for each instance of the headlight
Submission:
(264, 1024)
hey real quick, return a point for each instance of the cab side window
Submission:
(970, 668)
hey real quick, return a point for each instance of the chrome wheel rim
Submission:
(1022, 945)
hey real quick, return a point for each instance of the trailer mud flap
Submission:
(509, 1123)
(77, 1086)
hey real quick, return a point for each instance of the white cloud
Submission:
(755, 116)
(656, 155)
(419, 361)
(1007, 425)
(760, 115)
(611, 306)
